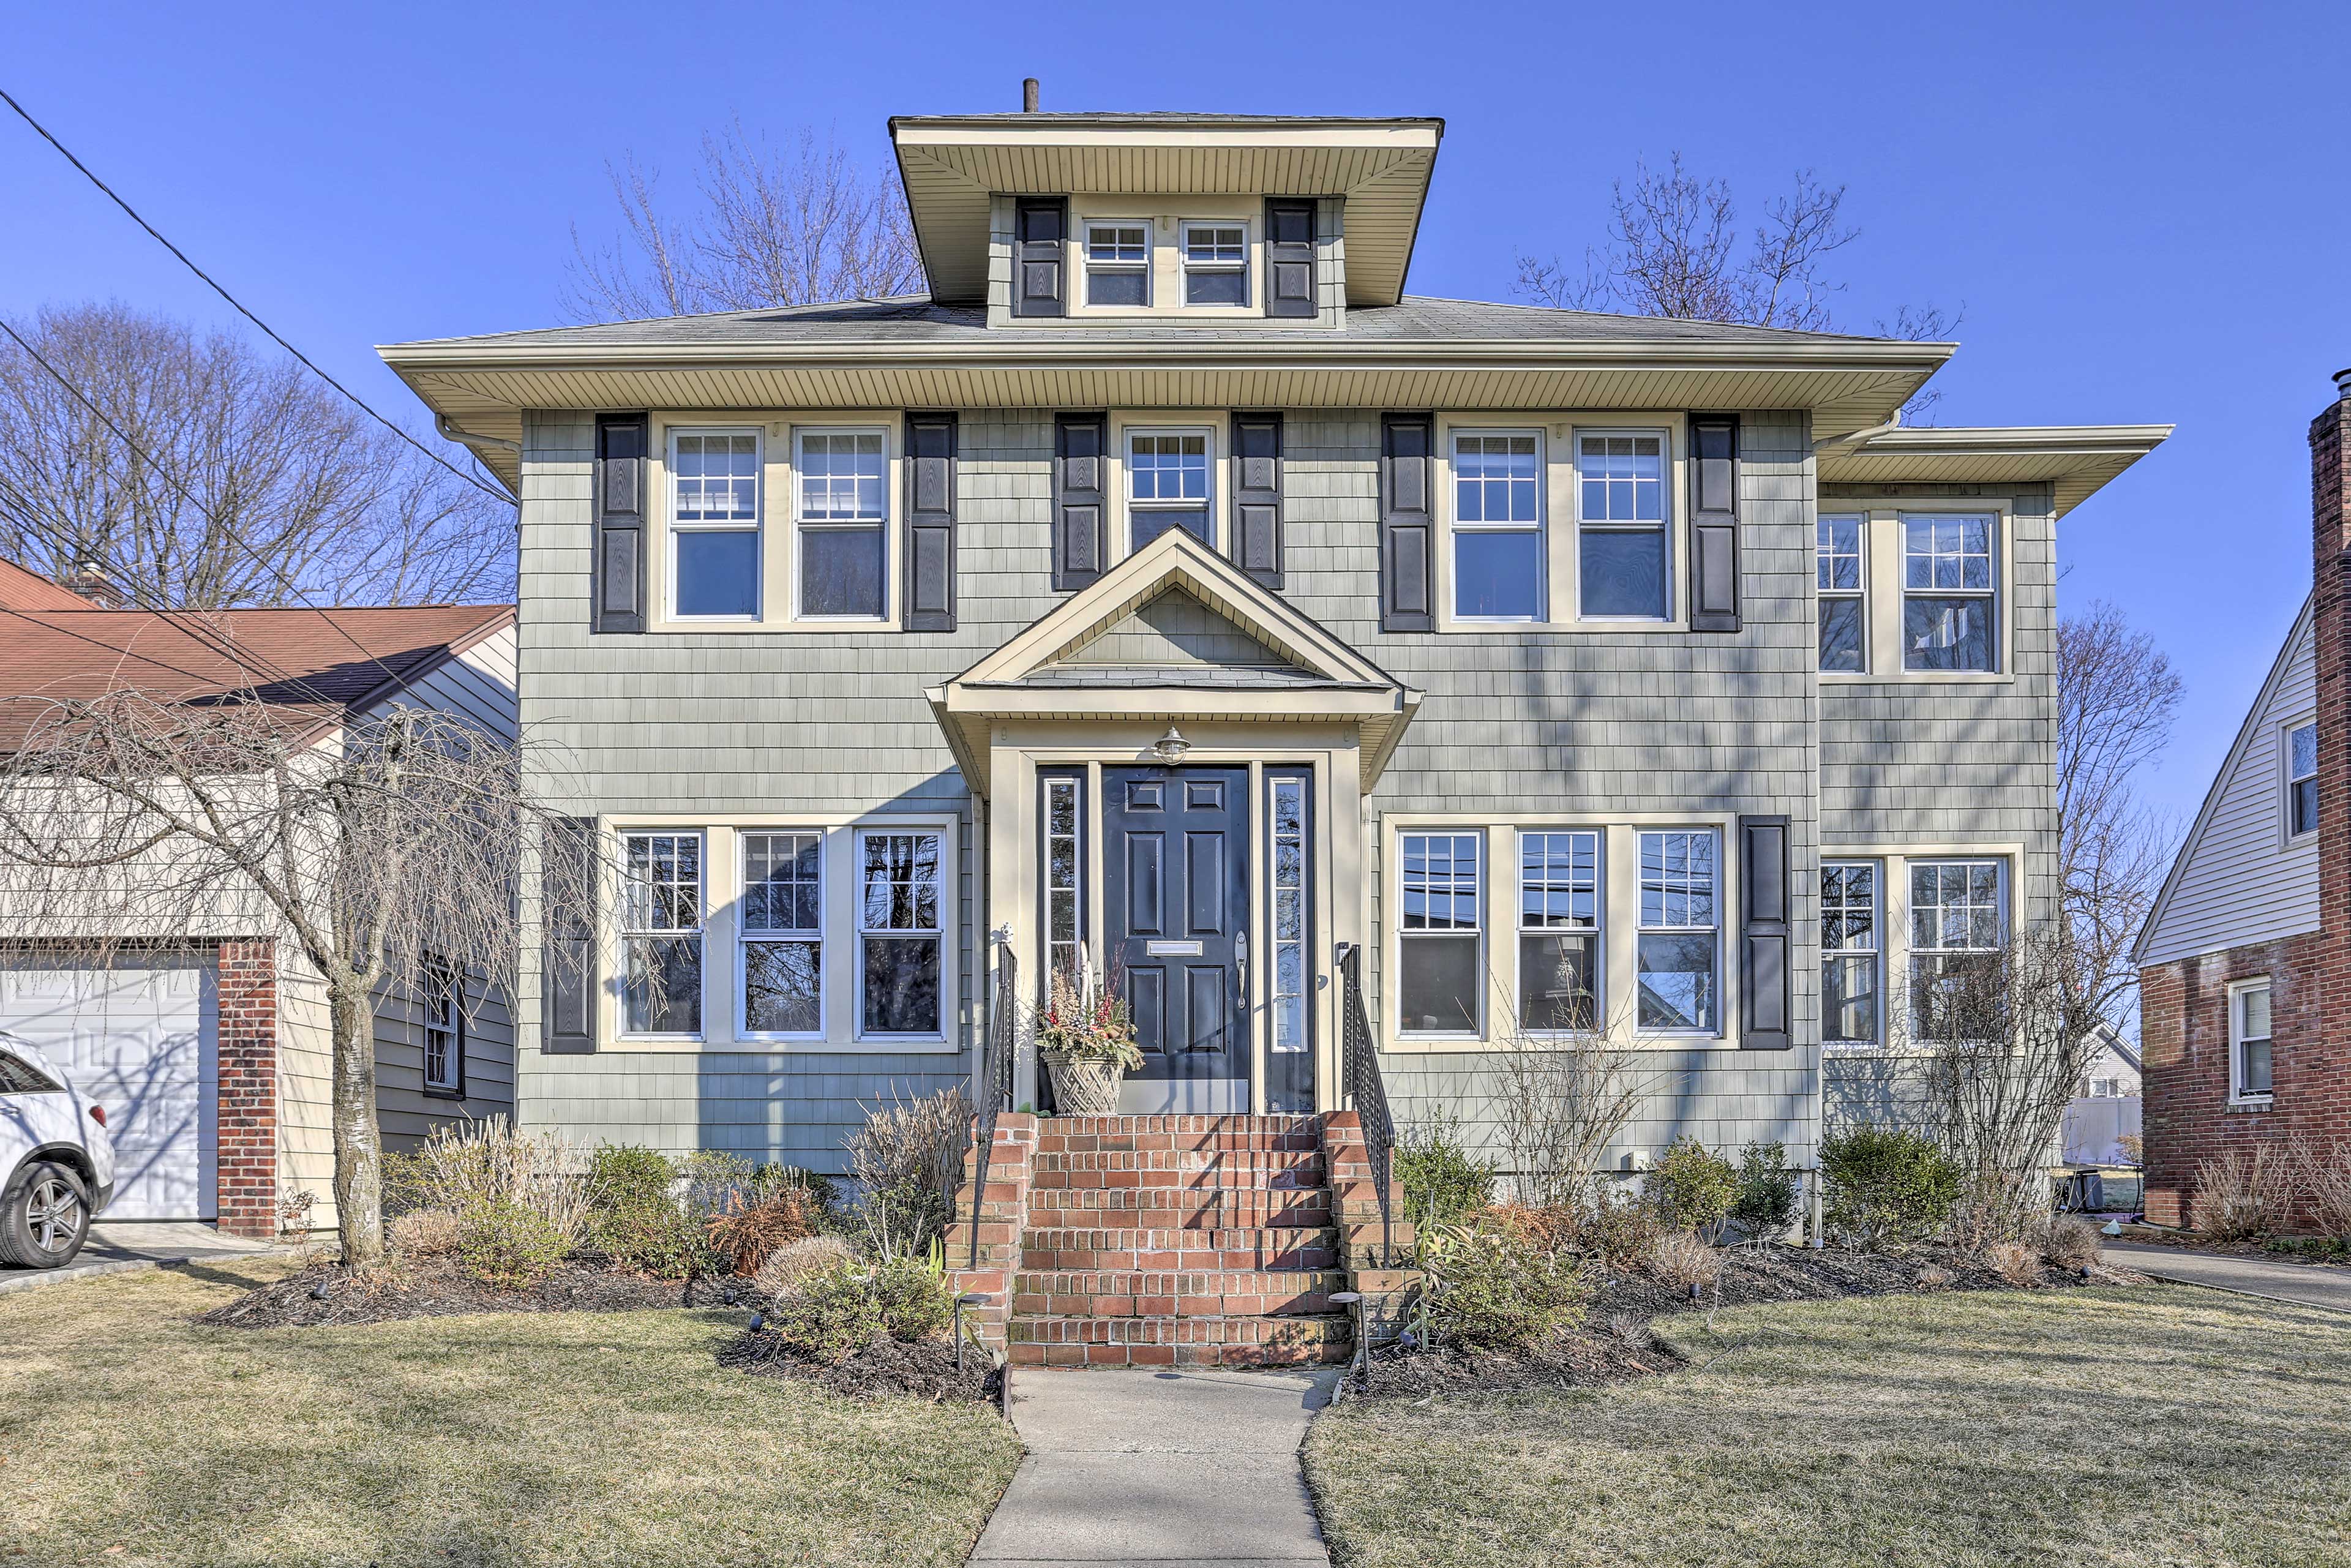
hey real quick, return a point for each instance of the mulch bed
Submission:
(1614, 1342)
(2188, 1241)
(923, 1370)
(431, 1288)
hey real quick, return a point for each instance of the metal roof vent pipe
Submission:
(1027, 95)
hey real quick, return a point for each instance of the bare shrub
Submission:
(1680, 1259)
(2134, 1148)
(1629, 1330)
(2074, 1244)
(787, 1265)
(2241, 1193)
(460, 1167)
(745, 1232)
(1560, 1100)
(424, 1232)
(2323, 1171)
(2013, 1261)
(908, 1159)
(294, 1226)
(1934, 1277)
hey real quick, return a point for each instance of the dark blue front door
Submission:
(1176, 865)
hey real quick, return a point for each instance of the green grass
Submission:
(130, 1435)
(2157, 1425)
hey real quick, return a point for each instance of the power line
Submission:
(24, 114)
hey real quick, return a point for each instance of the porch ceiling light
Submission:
(1171, 747)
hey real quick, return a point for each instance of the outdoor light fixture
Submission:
(1171, 747)
(967, 1299)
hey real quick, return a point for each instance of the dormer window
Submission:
(1215, 264)
(1118, 264)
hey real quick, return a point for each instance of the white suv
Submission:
(56, 1157)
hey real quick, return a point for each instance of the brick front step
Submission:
(1276, 1169)
(1087, 1135)
(1220, 1293)
(1168, 1341)
(1078, 1249)
(1154, 1208)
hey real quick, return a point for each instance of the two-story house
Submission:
(1171, 584)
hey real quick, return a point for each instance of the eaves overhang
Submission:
(2075, 460)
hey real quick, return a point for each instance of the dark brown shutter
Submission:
(1714, 522)
(1040, 257)
(1763, 934)
(1257, 496)
(1288, 257)
(566, 981)
(619, 602)
(1080, 443)
(1407, 523)
(930, 522)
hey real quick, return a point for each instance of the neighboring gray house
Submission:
(1169, 582)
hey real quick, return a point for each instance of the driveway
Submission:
(2304, 1284)
(118, 1247)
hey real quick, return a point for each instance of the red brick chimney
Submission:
(2318, 1100)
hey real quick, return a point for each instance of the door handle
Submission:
(1241, 961)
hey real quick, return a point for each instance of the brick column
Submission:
(1003, 1216)
(246, 973)
(2313, 1074)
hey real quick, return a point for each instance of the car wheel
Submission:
(44, 1216)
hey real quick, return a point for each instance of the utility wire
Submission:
(26, 115)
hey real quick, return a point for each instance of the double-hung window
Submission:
(1215, 264)
(444, 1030)
(1620, 525)
(2302, 780)
(1950, 591)
(843, 512)
(1559, 930)
(1956, 929)
(901, 934)
(1118, 264)
(1844, 615)
(714, 561)
(1168, 485)
(661, 934)
(1440, 968)
(1498, 526)
(1849, 952)
(1679, 956)
(2249, 1041)
(782, 934)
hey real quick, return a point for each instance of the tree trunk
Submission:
(359, 1143)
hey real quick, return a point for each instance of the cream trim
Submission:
(1894, 919)
(1882, 593)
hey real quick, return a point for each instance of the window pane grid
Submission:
(1678, 891)
(1167, 466)
(1441, 978)
(1215, 246)
(899, 932)
(1621, 480)
(1288, 881)
(443, 1028)
(1949, 583)
(1558, 881)
(715, 480)
(1559, 924)
(1499, 565)
(843, 476)
(1621, 515)
(1496, 481)
(661, 916)
(1117, 245)
(1440, 882)
(1063, 941)
(1678, 951)
(1849, 951)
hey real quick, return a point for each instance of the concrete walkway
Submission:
(118, 1247)
(1176, 1469)
(2303, 1284)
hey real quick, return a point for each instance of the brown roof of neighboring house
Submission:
(23, 588)
(314, 664)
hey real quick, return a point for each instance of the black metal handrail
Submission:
(1366, 1091)
(992, 1084)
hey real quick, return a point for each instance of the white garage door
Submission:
(141, 1041)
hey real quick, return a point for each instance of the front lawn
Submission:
(130, 1435)
(2154, 1426)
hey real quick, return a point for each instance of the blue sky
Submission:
(2142, 207)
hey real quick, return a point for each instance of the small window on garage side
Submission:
(2302, 780)
(2248, 1042)
(445, 1029)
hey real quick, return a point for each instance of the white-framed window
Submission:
(1958, 925)
(661, 934)
(2249, 1041)
(901, 932)
(2300, 754)
(1065, 920)
(1170, 484)
(1498, 554)
(1850, 951)
(2106, 1088)
(714, 525)
(1118, 263)
(445, 1029)
(1440, 957)
(1215, 264)
(781, 935)
(1843, 594)
(1287, 997)
(1623, 515)
(842, 513)
(1560, 957)
(1680, 956)
(1949, 593)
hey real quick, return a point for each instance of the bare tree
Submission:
(2117, 696)
(370, 847)
(774, 227)
(263, 485)
(1561, 1096)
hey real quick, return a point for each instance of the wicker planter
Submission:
(1084, 1086)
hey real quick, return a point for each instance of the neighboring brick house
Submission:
(2245, 963)
(212, 1058)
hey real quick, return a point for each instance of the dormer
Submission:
(1165, 221)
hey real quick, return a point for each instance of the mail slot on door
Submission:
(1172, 949)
